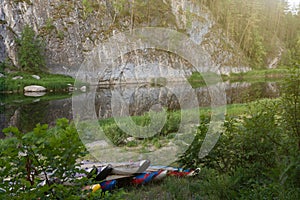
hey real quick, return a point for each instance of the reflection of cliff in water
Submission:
(139, 99)
(26, 116)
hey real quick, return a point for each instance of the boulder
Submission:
(17, 77)
(83, 88)
(2, 75)
(36, 77)
(34, 88)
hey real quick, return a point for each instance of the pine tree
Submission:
(30, 51)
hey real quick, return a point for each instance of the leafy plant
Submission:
(43, 154)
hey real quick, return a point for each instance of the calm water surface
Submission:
(26, 112)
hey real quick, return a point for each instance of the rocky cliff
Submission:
(72, 29)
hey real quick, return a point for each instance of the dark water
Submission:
(26, 112)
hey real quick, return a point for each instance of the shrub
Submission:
(27, 159)
(257, 154)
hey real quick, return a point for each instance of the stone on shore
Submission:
(34, 88)
(36, 77)
(17, 77)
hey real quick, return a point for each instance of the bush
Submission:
(27, 159)
(257, 155)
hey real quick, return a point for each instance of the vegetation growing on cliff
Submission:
(32, 60)
(31, 55)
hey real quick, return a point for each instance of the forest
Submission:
(263, 29)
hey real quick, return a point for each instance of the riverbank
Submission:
(15, 82)
(251, 145)
(121, 139)
(259, 75)
(208, 78)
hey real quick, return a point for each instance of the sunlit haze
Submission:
(293, 5)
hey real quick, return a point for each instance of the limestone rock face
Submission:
(73, 29)
(34, 88)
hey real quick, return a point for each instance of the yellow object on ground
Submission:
(96, 187)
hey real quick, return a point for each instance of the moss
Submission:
(60, 35)
(23, 1)
(3, 21)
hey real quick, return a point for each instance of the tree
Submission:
(30, 51)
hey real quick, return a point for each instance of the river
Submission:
(25, 112)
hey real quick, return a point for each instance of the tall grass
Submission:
(171, 127)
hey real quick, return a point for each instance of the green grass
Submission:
(118, 137)
(197, 79)
(209, 184)
(259, 75)
(53, 82)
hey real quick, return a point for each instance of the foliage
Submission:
(2, 67)
(257, 155)
(49, 25)
(88, 7)
(290, 109)
(261, 28)
(27, 159)
(203, 79)
(257, 50)
(30, 51)
(209, 184)
(154, 13)
(291, 103)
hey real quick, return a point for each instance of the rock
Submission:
(66, 53)
(2, 75)
(36, 77)
(17, 77)
(83, 88)
(98, 143)
(34, 88)
(34, 94)
(130, 139)
(71, 89)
